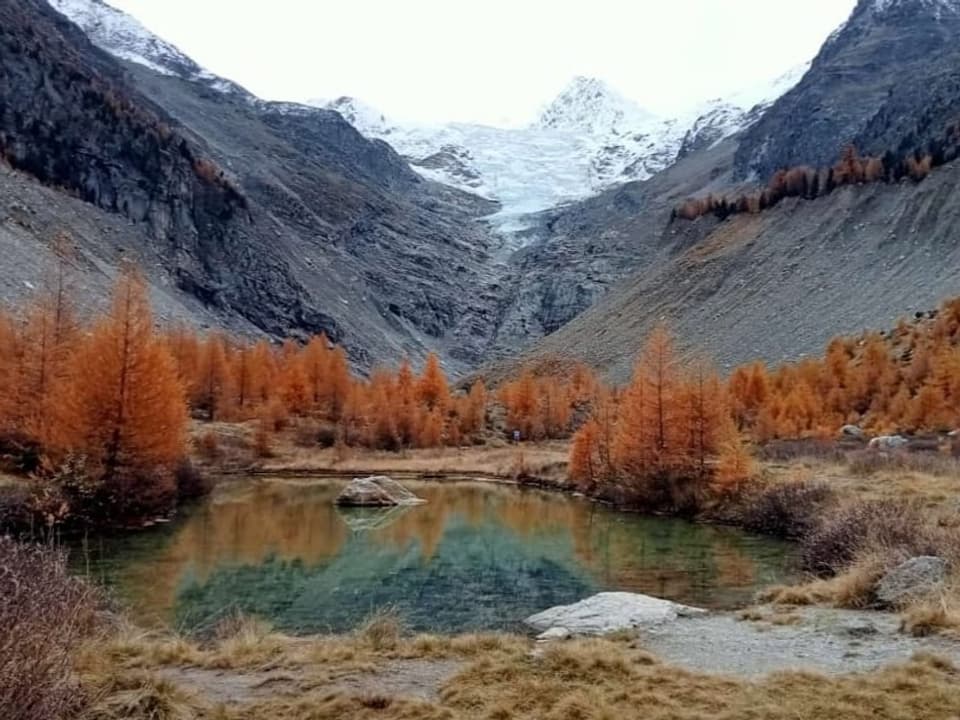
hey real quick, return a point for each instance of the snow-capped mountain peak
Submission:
(368, 120)
(124, 36)
(588, 138)
(590, 105)
(127, 38)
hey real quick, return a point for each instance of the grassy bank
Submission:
(249, 672)
(858, 514)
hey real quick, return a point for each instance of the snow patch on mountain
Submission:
(127, 38)
(124, 36)
(588, 138)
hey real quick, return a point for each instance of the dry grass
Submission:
(506, 679)
(600, 680)
(547, 460)
(853, 588)
(937, 491)
(936, 614)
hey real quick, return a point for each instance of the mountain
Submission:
(886, 77)
(471, 241)
(588, 138)
(266, 218)
(778, 284)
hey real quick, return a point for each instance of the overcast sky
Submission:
(494, 61)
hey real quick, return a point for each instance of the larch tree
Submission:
(432, 387)
(585, 456)
(405, 405)
(128, 409)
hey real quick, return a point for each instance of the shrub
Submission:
(789, 510)
(44, 615)
(327, 436)
(14, 507)
(19, 453)
(191, 483)
(382, 630)
(897, 530)
(131, 497)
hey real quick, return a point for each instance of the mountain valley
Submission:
(476, 242)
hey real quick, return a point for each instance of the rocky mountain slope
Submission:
(886, 78)
(779, 284)
(283, 218)
(266, 217)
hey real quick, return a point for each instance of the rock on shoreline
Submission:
(608, 612)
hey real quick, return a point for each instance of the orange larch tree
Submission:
(127, 406)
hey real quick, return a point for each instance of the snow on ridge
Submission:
(125, 36)
(589, 138)
(590, 105)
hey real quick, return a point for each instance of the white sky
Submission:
(493, 61)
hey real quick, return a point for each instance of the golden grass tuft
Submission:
(936, 614)
(382, 630)
(142, 695)
(852, 589)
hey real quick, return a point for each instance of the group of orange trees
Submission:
(904, 380)
(115, 394)
(103, 406)
(810, 183)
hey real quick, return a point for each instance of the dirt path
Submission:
(416, 679)
(820, 639)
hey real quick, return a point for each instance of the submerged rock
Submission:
(376, 491)
(608, 612)
(916, 577)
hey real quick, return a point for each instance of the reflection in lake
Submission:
(476, 556)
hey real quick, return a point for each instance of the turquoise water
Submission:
(476, 556)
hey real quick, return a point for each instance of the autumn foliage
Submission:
(665, 439)
(544, 406)
(810, 183)
(107, 393)
(906, 380)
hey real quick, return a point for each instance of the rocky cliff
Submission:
(273, 218)
(885, 79)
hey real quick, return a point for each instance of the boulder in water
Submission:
(376, 491)
(609, 612)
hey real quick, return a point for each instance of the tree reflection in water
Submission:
(476, 556)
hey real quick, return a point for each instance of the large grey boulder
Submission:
(609, 612)
(914, 578)
(888, 442)
(376, 491)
